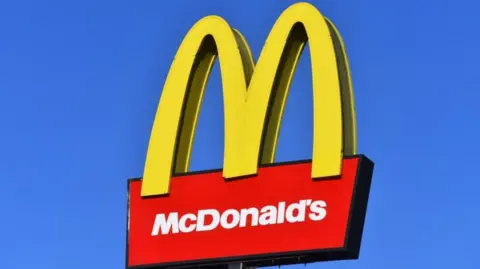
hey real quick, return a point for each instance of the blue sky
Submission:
(80, 82)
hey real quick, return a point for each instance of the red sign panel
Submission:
(279, 216)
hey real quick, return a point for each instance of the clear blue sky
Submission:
(80, 82)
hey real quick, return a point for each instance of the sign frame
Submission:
(353, 238)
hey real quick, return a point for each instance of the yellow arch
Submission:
(250, 94)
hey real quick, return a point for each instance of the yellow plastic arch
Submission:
(250, 94)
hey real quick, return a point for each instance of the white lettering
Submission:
(183, 221)
(253, 212)
(318, 210)
(211, 219)
(235, 219)
(298, 208)
(269, 215)
(165, 225)
(281, 212)
(215, 215)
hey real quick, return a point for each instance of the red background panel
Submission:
(273, 184)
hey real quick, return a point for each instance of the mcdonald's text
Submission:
(211, 219)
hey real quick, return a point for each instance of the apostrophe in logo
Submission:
(276, 213)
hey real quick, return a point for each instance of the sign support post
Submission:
(236, 266)
(239, 265)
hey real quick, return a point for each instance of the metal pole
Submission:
(236, 266)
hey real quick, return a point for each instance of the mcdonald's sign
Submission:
(252, 211)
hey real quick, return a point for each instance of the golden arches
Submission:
(250, 94)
